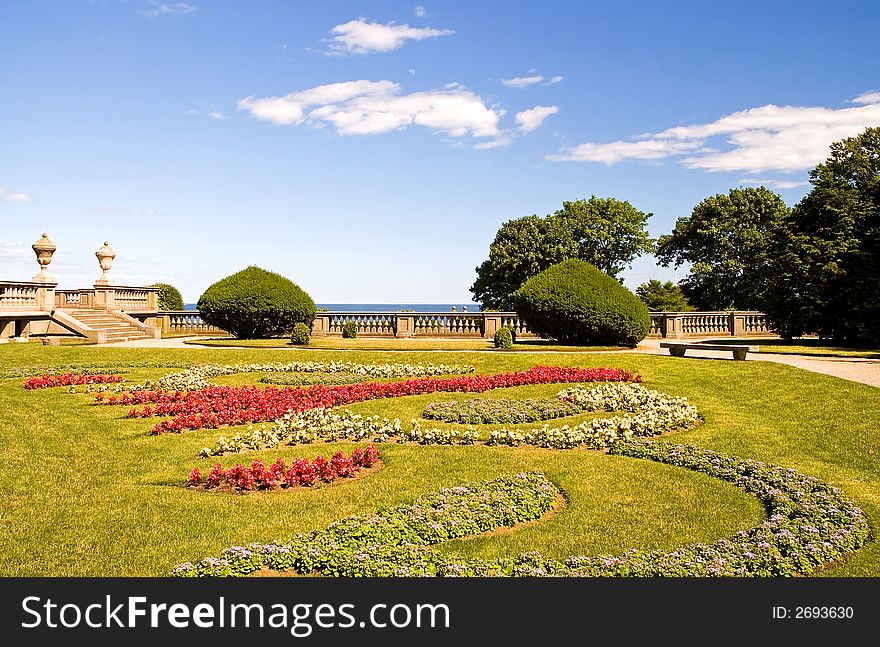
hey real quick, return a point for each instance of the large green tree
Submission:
(663, 297)
(825, 270)
(725, 239)
(169, 297)
(605, 232)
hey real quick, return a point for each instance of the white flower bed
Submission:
(197, 377)
(646, 413)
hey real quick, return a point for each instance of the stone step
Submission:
(116, 332)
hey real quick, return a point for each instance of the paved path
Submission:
(856, 369)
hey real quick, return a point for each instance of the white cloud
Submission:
(168, 9)
(766, 138)
(12, 250)
(618, 151)
(867, 98)
(529, 120)
(500, 142)
(421, 12)
(216, 114)
(771, 183)
(360, 37)
(520, 82)
(9, 196)
(373, 107)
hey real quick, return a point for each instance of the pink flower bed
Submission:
(300, 473)
(226, 405)
(68, 379)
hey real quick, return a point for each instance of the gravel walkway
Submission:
(855, 369)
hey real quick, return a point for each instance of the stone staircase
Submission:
(116, 327)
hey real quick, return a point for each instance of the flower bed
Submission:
(196, 377)
(648, 413)
(69, 379)
(300, 473)
(810, 524)
(225, 405)
(306, 379)
(486, 411)
(389, 541)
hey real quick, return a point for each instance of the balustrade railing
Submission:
(134, 299)
(367, 323)
(16, 295)
(185, 322)
(708, 324)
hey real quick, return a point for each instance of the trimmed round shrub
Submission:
(503, 338)
(300, 335)
(349, 330)
(512, 331)
(255, 303)
(169, 297)
(575, 302)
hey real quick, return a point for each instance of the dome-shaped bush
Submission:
(574, 302)
(255, 303)
(503, 338)
(300, 335)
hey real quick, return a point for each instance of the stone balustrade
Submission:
(418, 324)
(133, 299)
(734, 323)
(184, 322)
(483, 324)
(23, 295)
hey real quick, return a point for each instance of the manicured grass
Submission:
(414, 344)
(87, 491)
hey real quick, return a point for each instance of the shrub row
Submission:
(306, 379)
(486, 411)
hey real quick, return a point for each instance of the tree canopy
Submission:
(663, 297)
(825, 270)
(725, 239)
(169, 297)
(605, 232)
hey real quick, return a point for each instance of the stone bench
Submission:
(677, 349)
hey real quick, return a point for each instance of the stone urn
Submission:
(105, 260)
(44, 248)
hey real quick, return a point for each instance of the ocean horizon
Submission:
(387, 307)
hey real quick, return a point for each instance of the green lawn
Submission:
(88, 492)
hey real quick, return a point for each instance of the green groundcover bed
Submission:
(88, 491)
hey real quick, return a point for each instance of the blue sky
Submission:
(369, 151)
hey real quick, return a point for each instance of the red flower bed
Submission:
(301, 472)
(227, 405)
(68, 379)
